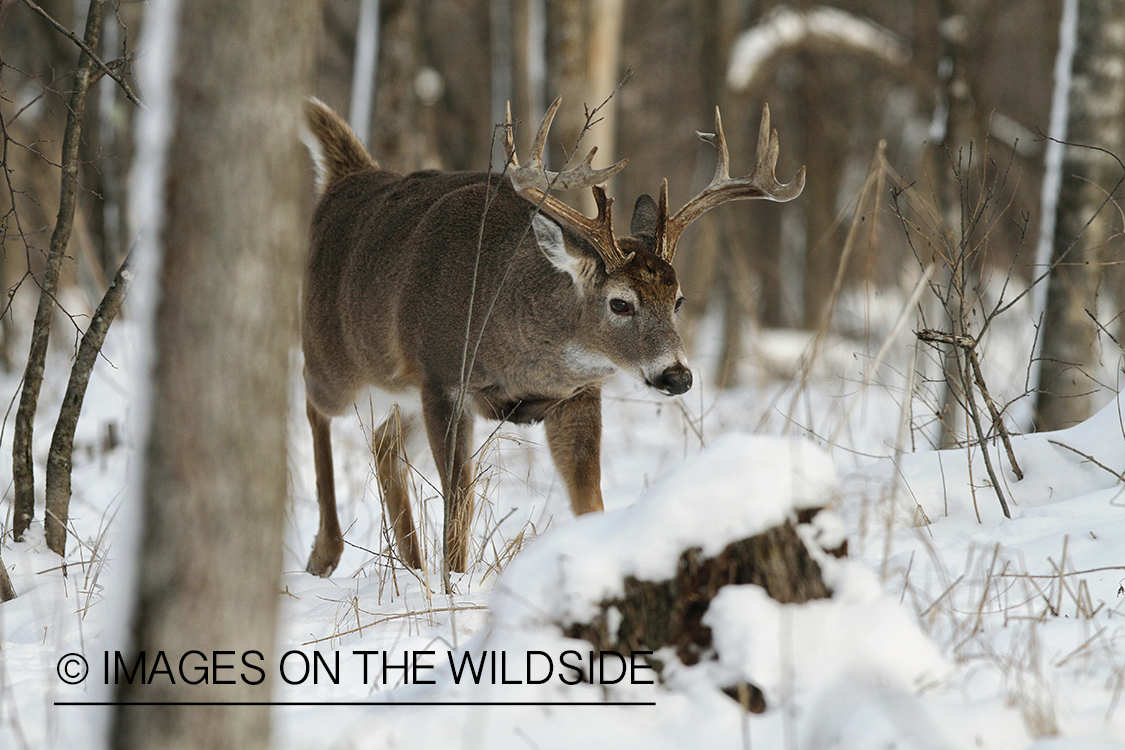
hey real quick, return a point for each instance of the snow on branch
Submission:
(786, 28)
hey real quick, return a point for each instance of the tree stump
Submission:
(652, 615)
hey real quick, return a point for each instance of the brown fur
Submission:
(389, 297)
(342, 153)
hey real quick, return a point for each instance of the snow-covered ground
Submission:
(944, 631)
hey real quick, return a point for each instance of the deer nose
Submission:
(676, 380)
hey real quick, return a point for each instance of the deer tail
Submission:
(335, 149)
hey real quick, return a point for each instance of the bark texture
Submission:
(7, 590)
(214, 483)
(1084, 225)
(59, 460)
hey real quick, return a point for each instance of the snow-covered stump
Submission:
(740, 523)
(653, 615)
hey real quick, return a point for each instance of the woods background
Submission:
(960, 92)
(932, 186)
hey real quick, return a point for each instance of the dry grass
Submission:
(993, 614)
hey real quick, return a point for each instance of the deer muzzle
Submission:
(675, 380)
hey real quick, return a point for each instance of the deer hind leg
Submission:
(574, 435)
(389, 444)
(329, 545)
(452, 448)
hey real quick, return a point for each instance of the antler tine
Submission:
(532, 182)
(508, 140)
(597, 231)
(533, 175)
(536, 158)
(602, 228)
(768, 145)
(760, 184)
(719, 141)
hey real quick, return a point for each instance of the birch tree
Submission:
(1083, 228)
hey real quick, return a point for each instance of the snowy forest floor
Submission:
(950, 626)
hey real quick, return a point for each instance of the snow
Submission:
(943, 631)
(785, 28)
(740, 486)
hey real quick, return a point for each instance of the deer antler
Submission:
(761, 183)
(532, 182)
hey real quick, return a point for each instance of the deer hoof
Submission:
(322, 562)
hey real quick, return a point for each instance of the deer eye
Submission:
(621, 307)
(679, 302)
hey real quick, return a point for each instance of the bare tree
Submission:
(1082, 229)
(62, 441)
(214, 482)
(68, 221)
(22, 463)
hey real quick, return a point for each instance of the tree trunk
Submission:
(1083, 223)
(948, 161)
(214, 478)
(23, 469)
(7, 590)
(825, 157)
(364, 68)
(398, 139)
(62, 442)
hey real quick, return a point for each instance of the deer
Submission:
(481, 294)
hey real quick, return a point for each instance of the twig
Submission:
(961, 340)
(1091, 459)
(969, 344)
(106, 69)
(1105, 330)
(974, 416)
(388, 618)
(468, 359)
(997, 420)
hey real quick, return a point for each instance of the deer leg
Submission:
(329, 545)
(451, 443)
(574, 435)
(389, 442)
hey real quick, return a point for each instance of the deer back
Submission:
(396, 264)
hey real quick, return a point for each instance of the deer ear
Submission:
(644, 216)
(549, 235)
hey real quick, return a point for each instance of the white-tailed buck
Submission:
(480, 293)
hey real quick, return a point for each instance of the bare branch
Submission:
(106, 69)
(1091, 459)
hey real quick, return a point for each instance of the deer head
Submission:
(637, 286)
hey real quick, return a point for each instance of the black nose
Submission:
(676, 380)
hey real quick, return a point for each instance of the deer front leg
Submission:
(574, 435)
(329, 545)
(451, 437)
